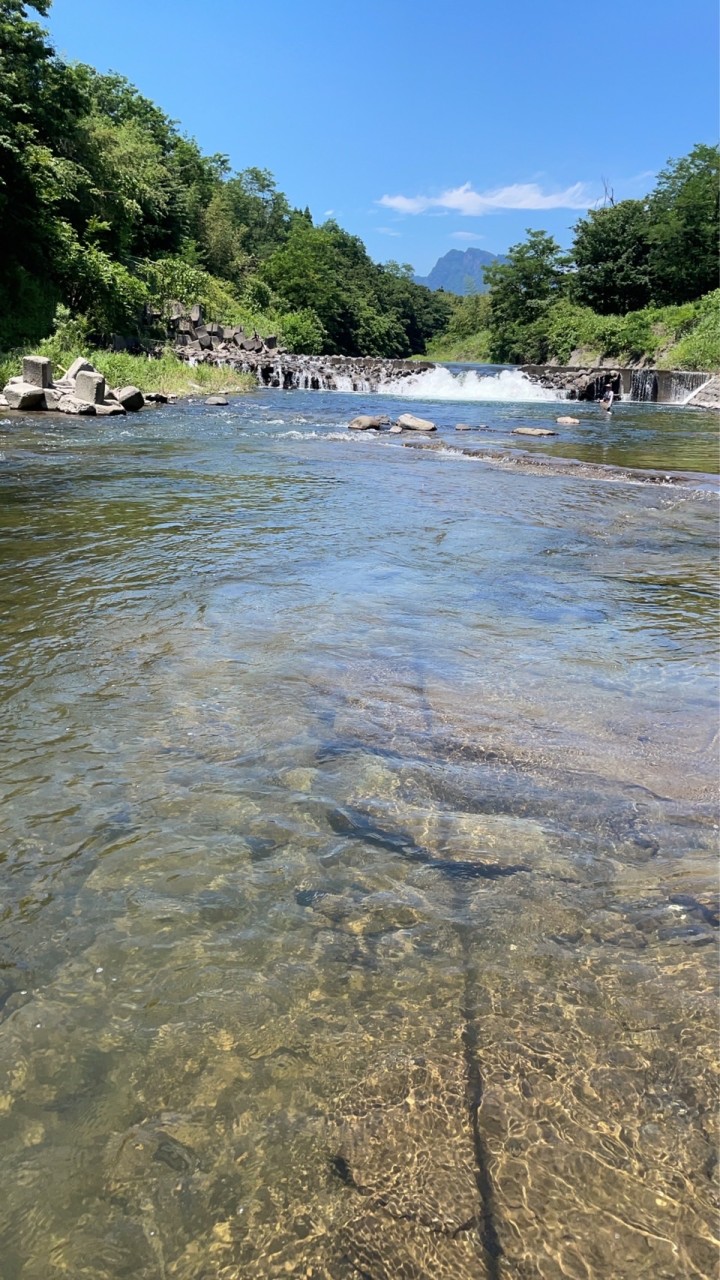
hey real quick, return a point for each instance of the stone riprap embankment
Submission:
(199, 343)
(80, 391)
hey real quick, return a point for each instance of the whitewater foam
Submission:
(443, 384)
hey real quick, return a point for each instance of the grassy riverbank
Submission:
(166, 374)
(673, 337)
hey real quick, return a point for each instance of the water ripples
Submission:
(359, 832)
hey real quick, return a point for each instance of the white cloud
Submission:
(388, 231)
(466, 235)
(328, 213)
(473, 204)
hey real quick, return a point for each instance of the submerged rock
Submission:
(406, 1150)
(533, 431)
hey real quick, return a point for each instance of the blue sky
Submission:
(423, 126)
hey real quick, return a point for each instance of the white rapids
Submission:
(443, 384)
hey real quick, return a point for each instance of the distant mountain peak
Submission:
(460, 271)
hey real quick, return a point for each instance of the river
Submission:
(359, 835)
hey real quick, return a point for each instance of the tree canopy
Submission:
(105, 205)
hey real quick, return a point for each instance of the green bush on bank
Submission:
(674, 337)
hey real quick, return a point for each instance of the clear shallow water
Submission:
(359, 831)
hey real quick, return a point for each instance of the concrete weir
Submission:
(661, 386)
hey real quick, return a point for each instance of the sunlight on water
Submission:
(359, 836)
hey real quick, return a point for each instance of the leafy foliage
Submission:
(623, 290)
(522, 290)
(106, 208)
(612, 257)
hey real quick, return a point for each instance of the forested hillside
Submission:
(639, 282)
(108, 210)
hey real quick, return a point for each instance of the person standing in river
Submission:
(607, 400)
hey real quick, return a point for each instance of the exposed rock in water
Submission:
(24, 395)
(90, 387)
(82, 390)
(216, 400)
(112, 410)
(70, 404)
(366, 422)
(131, 398)
(411, 423)
(568, 422)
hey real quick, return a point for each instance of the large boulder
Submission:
(131, 398)
(37, 371)
(70, 404)
(218, 400)
(409, 422)
(90, 387)
(23, 395)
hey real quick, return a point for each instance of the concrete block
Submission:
(79, 366)
(37, 371)
(23, 395)
(130, 398)
(110, 410)
(69, 404)
(90, 387)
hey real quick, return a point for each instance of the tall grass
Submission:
(167, 374)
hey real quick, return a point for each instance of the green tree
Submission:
(522, 289)
(611, 251)
(684, 227)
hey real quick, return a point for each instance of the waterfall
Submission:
(684, 385)
(668, 386)
(644, 385)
